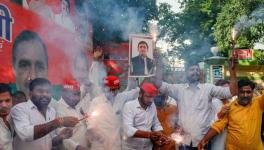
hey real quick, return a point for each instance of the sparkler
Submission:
(93, 114)
(234, 36)
(154, 30)
(177, 137)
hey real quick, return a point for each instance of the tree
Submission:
(208, 23)
(194, 24)
(239, 13)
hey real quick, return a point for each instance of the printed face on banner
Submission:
(141, 56)
(33, 47)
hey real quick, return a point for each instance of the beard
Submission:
(244, 101)
(4, 111)
(194, 78)
(41, 102)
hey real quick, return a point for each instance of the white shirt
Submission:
(137, 118)
(195, 107)
(79, 131)
(218, 142)
(123, 97)
(25, 116)
(6, 136)
(145, 66)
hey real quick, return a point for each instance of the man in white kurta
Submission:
(194, 101)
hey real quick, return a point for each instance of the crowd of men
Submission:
(93, 115)
(135, 119)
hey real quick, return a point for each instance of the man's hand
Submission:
(225, 109)
(201, 145)
(66, 133)
(159, 138)
(163, 140)
(68, 121)
(155, 135)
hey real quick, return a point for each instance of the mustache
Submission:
(4, 110)
(196, 74)
(45, 98)
(245, 99)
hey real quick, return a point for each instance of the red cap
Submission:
(71, 85)
(149, 88)
(112, 82)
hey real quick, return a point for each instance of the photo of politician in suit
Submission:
(142, 65)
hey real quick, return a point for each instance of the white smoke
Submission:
(245, 22)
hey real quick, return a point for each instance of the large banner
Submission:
(18, 24)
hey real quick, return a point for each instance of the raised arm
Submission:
(233, 78)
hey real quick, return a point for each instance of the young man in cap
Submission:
(141, 124)
(6, 129)
(71, 96)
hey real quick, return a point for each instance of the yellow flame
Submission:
(177, 137)
(235, 34)
(94, 113)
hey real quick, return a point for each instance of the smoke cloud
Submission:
(113, 19)
(245, 22)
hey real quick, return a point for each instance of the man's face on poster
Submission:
(143, 49)
(30, 63)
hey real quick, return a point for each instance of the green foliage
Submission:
(194, 23)
(207, 23)
(259, 56)
(230, 14)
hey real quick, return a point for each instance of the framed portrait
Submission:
(141, 60)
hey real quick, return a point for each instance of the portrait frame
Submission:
(135, 69)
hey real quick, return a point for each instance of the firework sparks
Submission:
(86, 116)
(177, 137)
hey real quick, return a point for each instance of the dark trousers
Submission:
(189, 147)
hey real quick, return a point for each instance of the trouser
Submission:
(190, 147)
